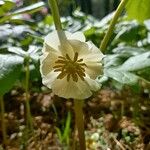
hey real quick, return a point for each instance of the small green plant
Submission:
(64, 134)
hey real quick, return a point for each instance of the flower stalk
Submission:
(79, 120)
(108, 35)
(28, 112)
(3, 120)
(55, 14)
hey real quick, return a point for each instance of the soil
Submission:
(114, 120)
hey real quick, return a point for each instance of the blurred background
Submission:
(97, 8)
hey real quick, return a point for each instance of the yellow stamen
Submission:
(69, 68)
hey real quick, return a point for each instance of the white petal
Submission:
(48, 60)
(80, 47)
(71, 89)
(77, 36)
(94, 54)
(52, 39)
(93, 69)
(91, 56)
(58, 41)
(93, 84)
(93, 61)
(49, 79)
(86, 50)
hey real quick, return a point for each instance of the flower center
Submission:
(70, 68)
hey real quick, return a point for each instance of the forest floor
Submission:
(114, 120)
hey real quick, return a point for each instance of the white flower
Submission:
(69, 65)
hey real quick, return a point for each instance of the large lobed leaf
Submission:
(137, 62)
(123, 77)
(125, 64)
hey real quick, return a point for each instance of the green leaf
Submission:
(29, 9)
(123, 77)
(129, 32)
(112, 60)
(136, 63)
(48, 20)
(7, 31)
(115, 60)
(10, 69)
(138, 9)
(18, 51)
(67, 127)
(34, 53)
(5, 6)
(59, 134)
(130, 51)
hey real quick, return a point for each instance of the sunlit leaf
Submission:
(29, 9)
(10, 69)
(33, 52)
(129, 32)
(7, 31)
(5, 6)
(138, 9)
(131, 51)
(18, 51)
(137, 62)
(123, 77)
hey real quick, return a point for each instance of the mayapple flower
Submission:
(70, 65)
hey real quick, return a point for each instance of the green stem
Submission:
(112, 25)
(55, 13)
(3, 120)
(80, 122)
(28, 112)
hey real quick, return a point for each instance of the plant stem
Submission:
(3, 120)
(80, 122)
(55, 13)
(112, 25)
(28, 112)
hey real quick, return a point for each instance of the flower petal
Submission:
(93, 60)
(80, 47)
(49, 79)
(71, 89)
(93, 84)
(53, 40)
(48, 60)
(93, 54)
(93, 69)
(77, 36)
(59, 41)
